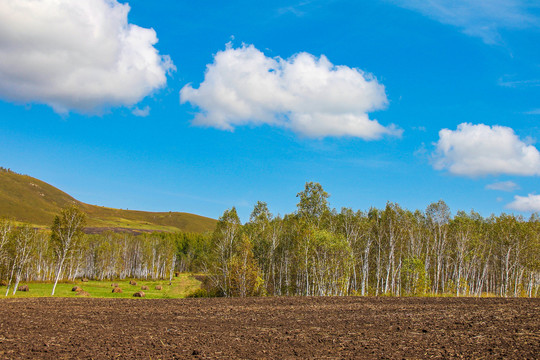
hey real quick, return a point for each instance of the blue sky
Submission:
(404, 101)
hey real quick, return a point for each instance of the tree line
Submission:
(315, 251)
(66, 253)
(391, 251)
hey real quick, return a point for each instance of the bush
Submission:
(198, 293)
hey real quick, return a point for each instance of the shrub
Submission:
(198, 293)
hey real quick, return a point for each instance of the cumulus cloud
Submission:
(529, 203)
(480, 18)
(304, 93)
(79, 55)
(503, 186)
(478, 150)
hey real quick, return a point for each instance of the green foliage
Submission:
(414, 277)
(67, 230)
(66, 235)
(198, 293)
(313, 203)
(245, 275)
(192, 250)
(390, 251)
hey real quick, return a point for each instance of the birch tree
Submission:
(66, 232)
(25, 243)
(224, 242)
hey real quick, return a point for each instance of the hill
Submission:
(27, 199)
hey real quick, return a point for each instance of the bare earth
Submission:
(286, 327)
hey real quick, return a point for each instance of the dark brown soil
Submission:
(270, 328)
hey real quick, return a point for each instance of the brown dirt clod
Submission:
(23, 288)
(132, 282)
(77, 288)
(159, 287)
(144, 287)
(114, 284)
(117, 290)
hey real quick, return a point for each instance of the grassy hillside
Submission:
(26, 199)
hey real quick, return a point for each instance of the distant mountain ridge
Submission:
(27, 199)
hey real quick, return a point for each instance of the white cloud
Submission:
(503, 186)
(480, 18)
(76, 55)
(296, 9)
(309, 95)
(303, 7)
(519, 83)
(144, 112)
(478, 150)
(529, 203)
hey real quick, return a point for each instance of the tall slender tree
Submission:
(313, 203)
(225, 241)
(66, 232)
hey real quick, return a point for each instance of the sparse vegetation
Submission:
(29, 200)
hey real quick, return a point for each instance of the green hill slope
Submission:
(26, 199)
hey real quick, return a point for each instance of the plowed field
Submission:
(322, 328)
